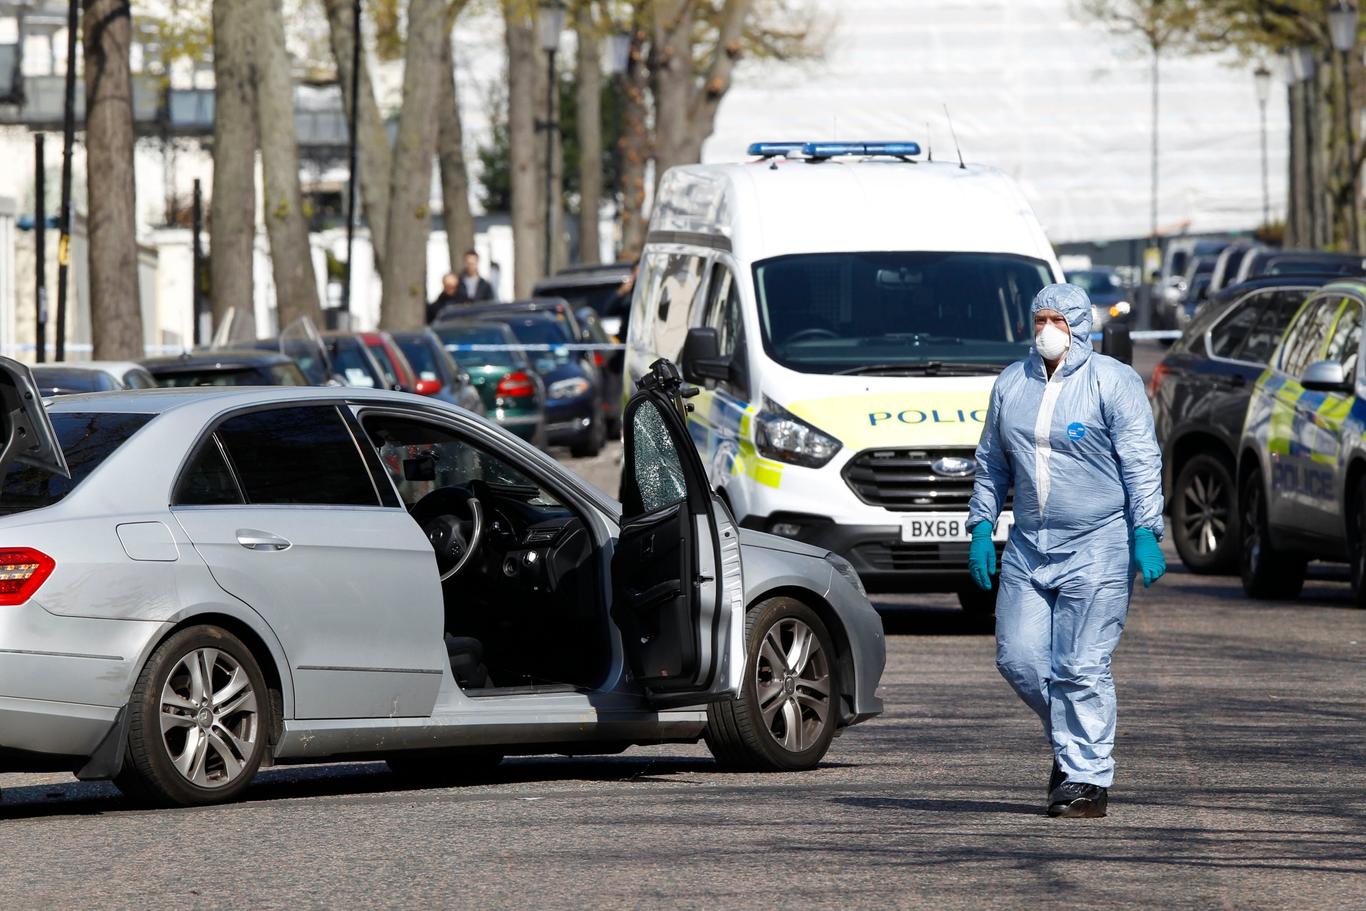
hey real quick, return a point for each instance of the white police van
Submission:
(846, 308)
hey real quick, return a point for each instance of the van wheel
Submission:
(976, 602)
(199, 721)
(1267, 573)
(1356, 540)
(789, 703)
(1205, 516)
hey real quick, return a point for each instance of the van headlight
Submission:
(781, 435)
(846, 569)
(567, 389)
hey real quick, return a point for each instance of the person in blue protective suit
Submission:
(1072, 432)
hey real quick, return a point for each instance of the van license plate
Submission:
(945, 526)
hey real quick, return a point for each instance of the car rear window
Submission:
(87, 439)
(63, 381)
(266, 375)
(422, 357)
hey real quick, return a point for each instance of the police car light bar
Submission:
(832, 149)
(775, 149)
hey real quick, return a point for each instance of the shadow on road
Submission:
(899, 619)
(940, 805)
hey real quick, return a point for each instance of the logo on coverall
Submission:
(1076, 431)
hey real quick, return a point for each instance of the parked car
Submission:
(1173, 307)
(345, 573)
(605, 288)
(227, 367)
(611, 366)
(1228, 261)
(69, 377)
(1200, 391)
(555, 308)
(512, 392)
(1302, 456)
(574, 412)
(354, 362)
(438, 374)
(398, 373)
(1275, 261)
(1109, 298)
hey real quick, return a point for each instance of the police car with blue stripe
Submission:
(1302, 461)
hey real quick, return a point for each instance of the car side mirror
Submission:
(1116, 342)
(701, 358)
(1325, 376)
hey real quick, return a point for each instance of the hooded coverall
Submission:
(1080, 451)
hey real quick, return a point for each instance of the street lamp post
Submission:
(1342, 27)
(550, 24)
(351, 153)
(68, 140)
(1302, 66)
(616, 63)
(1262, 77)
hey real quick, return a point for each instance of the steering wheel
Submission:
(453, 521)
(813, 332)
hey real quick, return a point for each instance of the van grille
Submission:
(904, 480)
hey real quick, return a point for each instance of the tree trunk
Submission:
(673, 83)
(115, 311)
(528, 223)
(1296, 211)
(702, 115)
(450, 151)
(588, 100)
(410, 186)
(634, 149)
(372, 141)
(291, 260)
(232, 210)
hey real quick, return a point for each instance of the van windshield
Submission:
(896, 312)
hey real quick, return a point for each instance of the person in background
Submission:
(466, 288)
(1071, 432)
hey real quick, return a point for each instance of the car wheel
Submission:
(436, 767)
(1267, 573)
(1356, 540)
(788, 707)
(591, 443)
(1205, 516)
(977, 602)
(200, 717)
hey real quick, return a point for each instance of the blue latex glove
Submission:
(1148, 556)
(982, 556)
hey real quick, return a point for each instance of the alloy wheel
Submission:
(1206, 512)
(1252, 538)
(792, 682)
(209, 718)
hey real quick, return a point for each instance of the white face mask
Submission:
(1051, 342)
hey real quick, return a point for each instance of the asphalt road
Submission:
(1241, 784)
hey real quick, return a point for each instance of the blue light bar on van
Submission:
(772, 149)
(831, 149)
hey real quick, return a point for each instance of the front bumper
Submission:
(568, 420)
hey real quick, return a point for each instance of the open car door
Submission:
(26, 434)
(678, 595)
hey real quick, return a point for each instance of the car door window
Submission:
(1276, 309)
(1346, 340)
(208, 481)
(1230, 333)
(656, 466)
(297, 455)
(1305, 339)
(723, 310)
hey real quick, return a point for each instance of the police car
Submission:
(846, 308)
(1302, 460)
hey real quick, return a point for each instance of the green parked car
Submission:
(512, 392)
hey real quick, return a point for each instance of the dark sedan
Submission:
(225, 367)
(1200, 392)
(573, 395)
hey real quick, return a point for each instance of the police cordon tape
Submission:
(576, 346)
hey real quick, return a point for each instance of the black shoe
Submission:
(1077, 800)
(1055, 777)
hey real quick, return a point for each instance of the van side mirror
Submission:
(1325, 376)
(701, 358)
(1116, 342)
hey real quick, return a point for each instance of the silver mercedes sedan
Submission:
(196, 583)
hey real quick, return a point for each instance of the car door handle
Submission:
(252, 539)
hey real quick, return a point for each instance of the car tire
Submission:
(976, 602)
(797, 732)
(1267, 573)
(200, 719)
(439, 767)
(1205, 515)
(591, 443)
(1356, 541)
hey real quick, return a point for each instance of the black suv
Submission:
(1200, 392)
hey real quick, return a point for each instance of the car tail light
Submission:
(22, 571)
(428, 387)
(1159, 374)
(599, 360)
(516, 385)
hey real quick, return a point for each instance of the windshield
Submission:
(861, 312)
(349, 360)
(456, 338)
(544, 332)
(1095, 281)
(87, 439)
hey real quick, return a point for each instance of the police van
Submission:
(845, 309)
